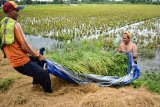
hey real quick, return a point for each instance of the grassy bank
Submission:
(150, 80)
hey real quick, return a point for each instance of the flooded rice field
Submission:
(143, 33)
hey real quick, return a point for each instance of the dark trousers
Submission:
(40, 76)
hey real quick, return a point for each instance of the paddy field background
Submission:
(83, 33)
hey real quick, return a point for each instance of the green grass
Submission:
(5, 83)
(41, 19)
(150, 80)
(63, 22)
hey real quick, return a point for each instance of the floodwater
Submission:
(39, 42)
(150, 64)
(145, 65)
(51, 44)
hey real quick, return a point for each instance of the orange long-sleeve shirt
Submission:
(17, 53)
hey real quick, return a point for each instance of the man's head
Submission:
(126, 37)
(11, 9)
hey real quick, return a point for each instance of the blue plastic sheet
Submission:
(132, 73)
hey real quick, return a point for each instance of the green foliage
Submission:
(85, 57)
(72, 22)
(151, 80)
(5, 83)
(137, 83)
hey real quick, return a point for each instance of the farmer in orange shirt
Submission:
(128, 46)
(17, 50)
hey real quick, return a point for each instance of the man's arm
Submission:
(20, 37)
(134, 46)
(119, 48)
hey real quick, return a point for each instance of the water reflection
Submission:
(39, 41)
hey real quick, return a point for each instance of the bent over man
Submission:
(17, 50)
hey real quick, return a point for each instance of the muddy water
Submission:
(138, 28)
(150, 64)
(51, 44)
(39, 42)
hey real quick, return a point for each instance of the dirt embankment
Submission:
(21, 93)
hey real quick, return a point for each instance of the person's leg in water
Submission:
(39, 75)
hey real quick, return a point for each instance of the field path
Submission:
(21, 93)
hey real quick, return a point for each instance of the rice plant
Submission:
(85, 57)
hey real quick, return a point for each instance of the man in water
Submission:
(127, 46)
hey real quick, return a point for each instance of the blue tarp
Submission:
(132, 73)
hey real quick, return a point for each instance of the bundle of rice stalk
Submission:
(100, 63)
(94, 63)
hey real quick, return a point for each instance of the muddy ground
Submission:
(21, 93)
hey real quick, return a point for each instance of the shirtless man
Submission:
(128, 46)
